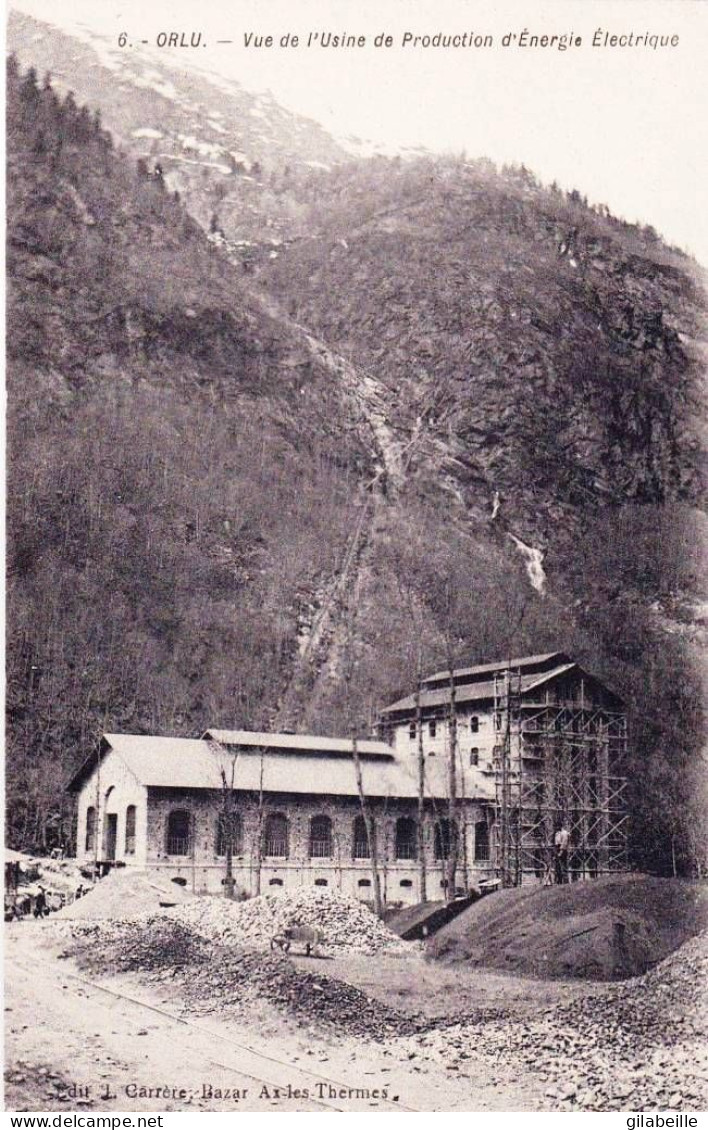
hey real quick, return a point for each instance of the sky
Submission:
(627, 126)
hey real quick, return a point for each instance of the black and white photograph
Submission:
(355, 537)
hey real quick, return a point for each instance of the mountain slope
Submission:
(525, 342)
(183, 470)
(221, 514)
(246, 163)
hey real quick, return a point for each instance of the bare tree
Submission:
(257, 852)
(417, 619)
(368, 824)
(449, 613)
(351, 669)
(228, 824)
(227, 763)
(453, 845)
(422, 876)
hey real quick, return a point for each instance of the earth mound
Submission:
(608, 929)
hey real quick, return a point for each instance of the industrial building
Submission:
(538, 743)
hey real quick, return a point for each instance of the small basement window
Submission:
(321, 883)
(275, 883)
(364, 883)
(406, 882)
(179, 881)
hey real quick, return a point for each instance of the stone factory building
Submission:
(538, 744)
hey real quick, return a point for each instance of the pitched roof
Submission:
(299, 743)
(549, 658)
(476, 692)
(154, 760)
(161, 762)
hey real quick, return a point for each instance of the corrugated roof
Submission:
(476, 692)
(160, 762)
(295, 743)
(500, 665)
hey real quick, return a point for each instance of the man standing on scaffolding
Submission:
(561, 842)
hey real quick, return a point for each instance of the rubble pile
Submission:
(56, 874)
(54, 880)
(231, 978)
(140, 945)
(238, 975)
(639, 1045)
(347, 926)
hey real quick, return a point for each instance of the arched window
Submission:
(275, 882)
(320, 837)
(275, 836)
(444, 839)
(474, 724)
(406, 838)
(481, 842)
(130, 830)
(474, 755)
(178, 832)
(229, 834)
(360, 849)
(90, 828)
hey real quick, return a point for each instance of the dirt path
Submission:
(65, 1031)
(435, 989)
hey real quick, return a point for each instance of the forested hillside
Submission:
(230, 506)
(180, 470)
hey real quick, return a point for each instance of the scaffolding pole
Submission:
(557, 764)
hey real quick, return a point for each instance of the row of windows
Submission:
(433, 727)
(276, 836)
(362, 883)
(474, 755)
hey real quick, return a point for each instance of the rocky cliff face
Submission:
(528, 346)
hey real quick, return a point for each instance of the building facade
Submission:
(552, 740)
(534, 748)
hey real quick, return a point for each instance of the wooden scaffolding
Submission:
(557, 764)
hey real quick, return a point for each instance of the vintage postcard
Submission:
(356, 589)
